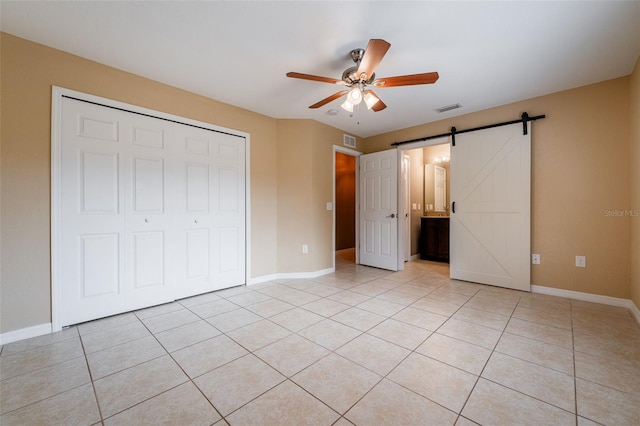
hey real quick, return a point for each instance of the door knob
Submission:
(392, 215)
(146, 220)
(195, 221)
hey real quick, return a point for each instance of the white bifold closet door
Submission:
(150, 211)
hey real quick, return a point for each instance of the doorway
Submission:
(345, 196)
(418, 189)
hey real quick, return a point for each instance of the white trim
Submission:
(262, 279)
(56, 143)
(291, 276)
(247, 208)
(589, 297)
(405, 196)
(25, 333)
(304, 275)
(634, 311)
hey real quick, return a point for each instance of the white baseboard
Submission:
(39, 330)
(635, 312)
(588, 297)
(25, 333)
(290, 276)
(262, 279)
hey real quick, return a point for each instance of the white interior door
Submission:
(491, 207)
(378, 209)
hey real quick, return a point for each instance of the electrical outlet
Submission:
(535, 259)
(305, 249)
(581, 261)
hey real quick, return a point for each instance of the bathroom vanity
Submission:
(434, 238)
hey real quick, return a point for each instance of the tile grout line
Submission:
(93, 386)
(573, 353)
(488, 359)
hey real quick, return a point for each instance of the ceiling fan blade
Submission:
(407, 80)
(378, 106)
(314, 78)
(329, 99)
(373, 101)
(373, 54)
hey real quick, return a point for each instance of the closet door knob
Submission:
(195, 221)
(146, 220)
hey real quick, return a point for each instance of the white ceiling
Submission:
(238, 52)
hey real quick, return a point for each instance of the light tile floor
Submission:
(359, 346)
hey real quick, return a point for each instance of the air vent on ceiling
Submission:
(448, 108)
(349, 141)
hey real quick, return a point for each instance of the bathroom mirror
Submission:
(435, 188)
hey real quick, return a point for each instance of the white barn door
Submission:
(379, 209)
(150, 211)
(491, 207)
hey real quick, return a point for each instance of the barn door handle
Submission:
(453, 207)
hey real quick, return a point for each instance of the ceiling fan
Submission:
(357, 78)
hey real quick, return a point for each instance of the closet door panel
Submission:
(148, 214)
(148, 259)
(193, 201)
(91, 242)
(228, 210)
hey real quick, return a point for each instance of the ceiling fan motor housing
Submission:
(350, 76)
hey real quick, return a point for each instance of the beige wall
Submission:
(293, 197)
(27, 74)
(324, 137)
(305, 186)
(580, 168)
(635, 182)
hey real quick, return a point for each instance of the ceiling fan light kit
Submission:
(361, 75)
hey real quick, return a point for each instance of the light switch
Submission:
(329, 206)
(414, 206)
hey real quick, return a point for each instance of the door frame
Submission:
(406, 205)
(57, 94)
(356, 154)
(401, 148)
